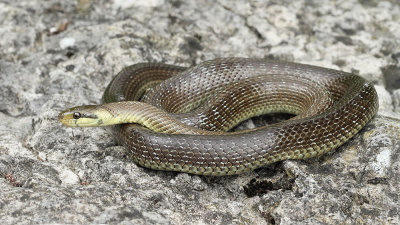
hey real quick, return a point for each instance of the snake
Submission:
(177, 118)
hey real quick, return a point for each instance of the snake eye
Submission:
(76, 115)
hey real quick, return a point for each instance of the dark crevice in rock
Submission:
(191, 45)
(260, 187)
(378, 180)
(254, 30)
(391, 76)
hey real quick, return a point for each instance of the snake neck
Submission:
(143, 114)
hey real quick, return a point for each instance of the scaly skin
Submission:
(183, 117)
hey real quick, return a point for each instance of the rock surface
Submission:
(58, 54)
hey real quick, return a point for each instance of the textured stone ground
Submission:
(57, 54)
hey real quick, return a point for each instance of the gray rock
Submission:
(53, 174)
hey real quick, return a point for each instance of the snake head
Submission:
(80, 116)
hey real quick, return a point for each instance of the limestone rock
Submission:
(58, 54)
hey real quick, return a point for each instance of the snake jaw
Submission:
(67, 119)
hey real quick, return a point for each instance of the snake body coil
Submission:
(187, 111)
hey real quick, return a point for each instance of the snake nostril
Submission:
(60, 116)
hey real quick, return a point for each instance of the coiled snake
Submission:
(181, 120)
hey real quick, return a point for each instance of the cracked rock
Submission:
(58, 54)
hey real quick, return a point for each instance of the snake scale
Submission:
(176, 119)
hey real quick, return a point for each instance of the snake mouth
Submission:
(67, 119)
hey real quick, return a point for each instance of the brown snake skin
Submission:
(331, 107)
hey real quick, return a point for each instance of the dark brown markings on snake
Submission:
(89, 115)
(112, 111)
